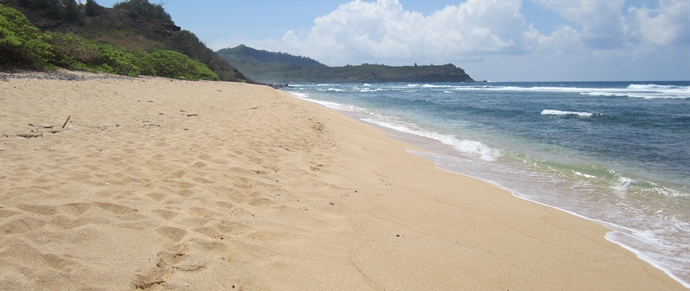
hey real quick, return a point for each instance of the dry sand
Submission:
(172, 185)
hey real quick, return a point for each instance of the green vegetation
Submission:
(176, 65)
(24, 46)
(145, 9)
(118, 61)
(245, 54)
(122, 37)
(189, 44)
(21, 44)
(263, 66)
(280, 68)
(66, 10)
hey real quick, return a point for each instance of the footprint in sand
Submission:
(76, 209)
(158, 197)
(22, 225)
(173, 233)
(116, 208)
(165, 214)
(38, 209)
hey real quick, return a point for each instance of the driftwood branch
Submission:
(65, 124)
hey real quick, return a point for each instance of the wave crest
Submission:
(471, 147)
(563, 113)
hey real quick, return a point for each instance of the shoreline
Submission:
(167, 184)
(446, 158)
(613, 228)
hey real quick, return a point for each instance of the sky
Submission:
(496, 40)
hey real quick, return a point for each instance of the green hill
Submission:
(267, 67)
(133, 26)
(281, 68)
(245, 54)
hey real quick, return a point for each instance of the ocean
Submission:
(617, 153)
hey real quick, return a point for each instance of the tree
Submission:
(92, 8)
(144, 8)
(67, 10)
(71, 12)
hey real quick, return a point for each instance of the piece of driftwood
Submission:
(65, 124)
(30, 135)
(42, 126)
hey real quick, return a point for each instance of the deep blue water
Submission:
(614, 152)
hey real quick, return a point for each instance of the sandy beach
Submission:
(160, 184)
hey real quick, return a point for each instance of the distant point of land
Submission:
(280, 68)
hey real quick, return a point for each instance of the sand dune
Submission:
(161, 184)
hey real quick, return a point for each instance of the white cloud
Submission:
(601, 22)
(383, 30)
(671, 25)
(476, 30)
(603, 26)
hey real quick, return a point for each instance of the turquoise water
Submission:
(614, 152)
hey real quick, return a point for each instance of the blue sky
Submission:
(498, 40)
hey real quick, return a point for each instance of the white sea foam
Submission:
(646, 91)
(649, 91)
(651, 87)
(659, 91)
(623, 184)
(366, 90)
(464, 146)
(669, 260)
(436, 86)
(558, 112)
(612, 94)
(471, 147)
(327, 104)
(299, 95)
(584, 175)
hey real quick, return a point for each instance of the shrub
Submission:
(118, 61)
(71, 51)
(172, 64)
(21, 43)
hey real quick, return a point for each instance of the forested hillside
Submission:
(268, 67)
(133, 29)
(245, 54)
(281, 68)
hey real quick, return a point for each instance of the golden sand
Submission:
(162, 184)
